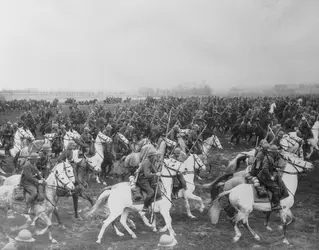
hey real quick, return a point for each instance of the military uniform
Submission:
(67, 154)
(268, 174)
(87, 140)
(180, 156)
(44, 162)
(30, 181)
(146, 180)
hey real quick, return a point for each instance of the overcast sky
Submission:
(114, 45)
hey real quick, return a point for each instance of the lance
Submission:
(197, 138)
(307, 121)
(162, 158)
(139, 167)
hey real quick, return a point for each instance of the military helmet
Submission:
(273, 148)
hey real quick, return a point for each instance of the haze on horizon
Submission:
(121, 45)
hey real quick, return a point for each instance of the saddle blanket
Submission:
(261, 194)
(138, 196)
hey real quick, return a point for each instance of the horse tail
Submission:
(215, 182)
(239, 159)
(214, 211)
(99, 203)
(222, 194)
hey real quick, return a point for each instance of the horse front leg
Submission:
(188, 209)
(88, 198)
(198, 199)
(267, 221)
(284, 215)
(75, 197)
(57, 216)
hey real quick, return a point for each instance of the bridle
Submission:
(296, 167)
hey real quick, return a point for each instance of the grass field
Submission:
(191, 233)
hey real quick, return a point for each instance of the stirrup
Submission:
(276, 207)
(145, 210)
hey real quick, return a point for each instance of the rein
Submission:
(296, 166)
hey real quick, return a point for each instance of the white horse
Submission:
(313, 142)
(137, 146)
(70, 136)
(48, 138)
(21, 139)
(96, 160)
(190, 165)
(119, 201)
(66, 167)
(208, 144)
(241, 197)
(57, 179)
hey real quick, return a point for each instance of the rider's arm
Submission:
(28, 175)
(265, 167)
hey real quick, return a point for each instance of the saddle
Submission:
(138, 196)
(18, 193)
(261, 193)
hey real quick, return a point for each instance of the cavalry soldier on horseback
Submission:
(8, 134)
(87, 141)
(269, 177)
(44, 162)
(180, 156)
(146, 178)
(108, 130)
(129, 134)
(259, 157)
(62, 131)
(67, 154)
(193, 138)
(173, 133)
(31, 181)
(277, 139)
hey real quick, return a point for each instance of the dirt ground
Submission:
(196, 233)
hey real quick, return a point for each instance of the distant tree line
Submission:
(178, 90)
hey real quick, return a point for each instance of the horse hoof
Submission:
(236, 238)
(134, 236)
(54, 241)
(192, 217)
(257, 238)
(280, 228)
(285, 241)
(98, 241)
(120, 234)
(269, 229)
(104, 183)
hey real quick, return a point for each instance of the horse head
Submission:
(212, 141)
(64, 175)
(297, 164)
